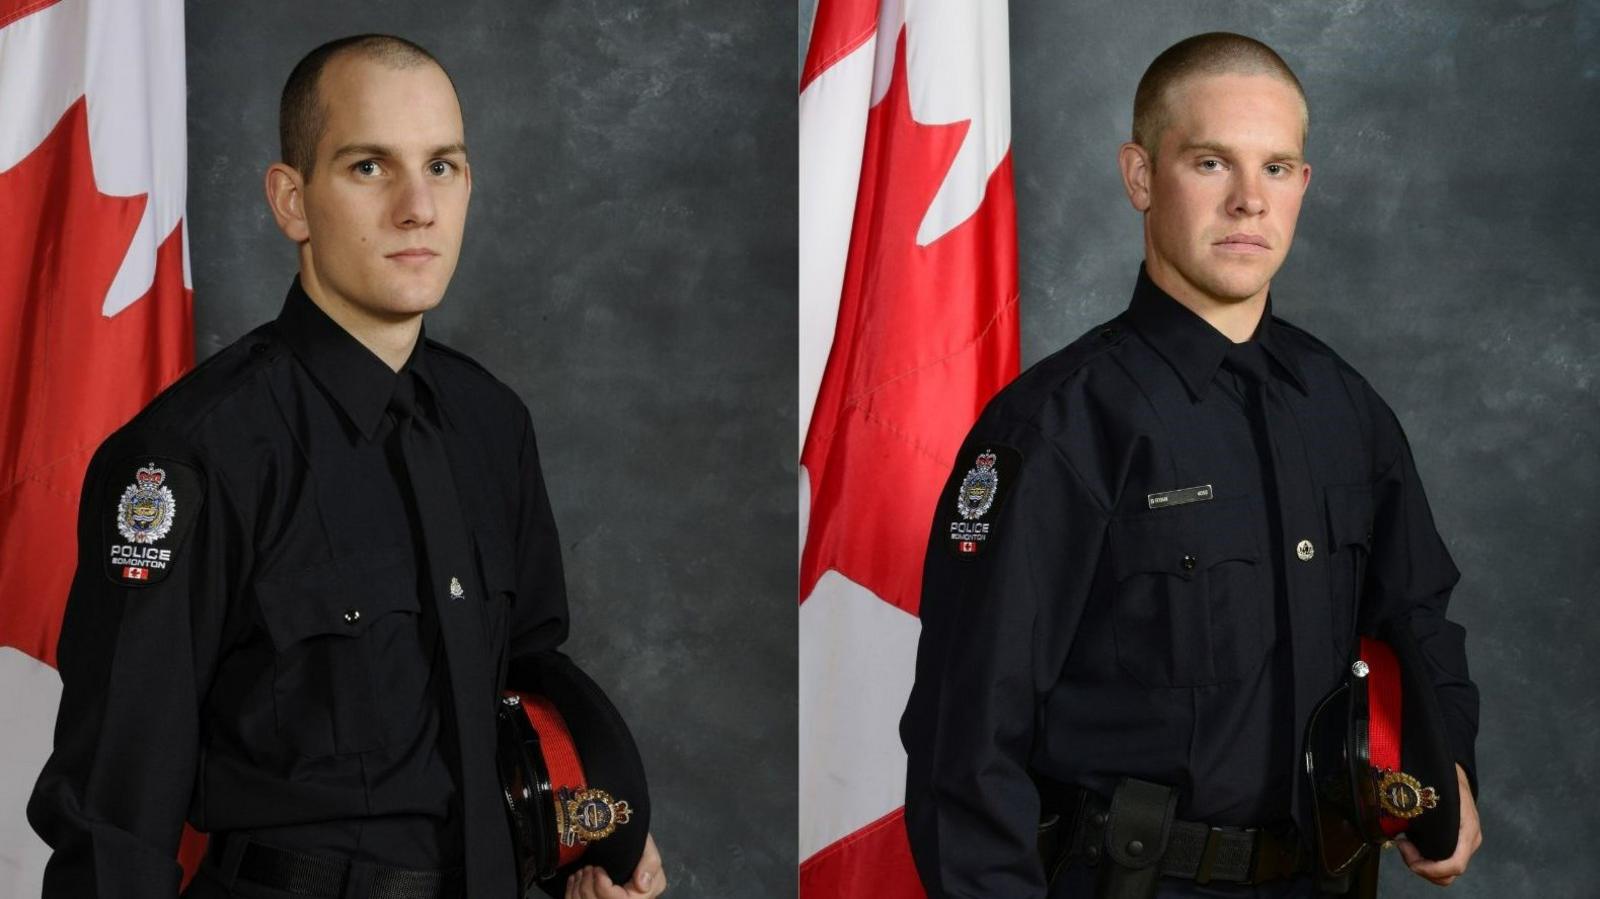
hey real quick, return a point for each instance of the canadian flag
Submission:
(908, 325)
(95, 319)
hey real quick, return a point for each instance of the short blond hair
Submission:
(1213, 53)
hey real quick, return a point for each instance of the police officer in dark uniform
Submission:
(307, 570)
(1159, 545)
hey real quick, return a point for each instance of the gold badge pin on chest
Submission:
(455, 589)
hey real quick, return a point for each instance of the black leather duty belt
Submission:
(1076, 831)
(238, 858)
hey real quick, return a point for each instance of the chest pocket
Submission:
(1350, 536)
(1194, 600)
(348, 664)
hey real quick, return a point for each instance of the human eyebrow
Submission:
(1208, 147)
(1280, 156)
(365, 150)
(455, 149)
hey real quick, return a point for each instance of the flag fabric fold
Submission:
(95, 316)
(908, 325)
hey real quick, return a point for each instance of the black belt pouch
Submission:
(1136, 837)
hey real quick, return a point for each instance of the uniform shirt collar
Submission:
(359, 382)
(1191, 345)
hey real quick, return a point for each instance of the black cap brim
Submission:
(1345, 802)
(609, 755)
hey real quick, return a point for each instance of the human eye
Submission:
(367, 168)
(1277, 168)
(442, 167)
(1210, 164)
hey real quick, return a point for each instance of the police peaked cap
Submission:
(1378, 758)
(573, 781)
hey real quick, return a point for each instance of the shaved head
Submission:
(302, 113)
(1214, 53)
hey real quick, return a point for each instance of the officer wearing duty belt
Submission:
(308, 570)
(1162, 546)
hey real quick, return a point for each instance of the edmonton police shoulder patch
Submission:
(153, 503)
(970, 511)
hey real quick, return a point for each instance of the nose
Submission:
(1247, 198)
(414, 206)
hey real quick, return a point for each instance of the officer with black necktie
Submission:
(1160, 546)
(308, 570)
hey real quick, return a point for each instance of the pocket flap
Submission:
(1185, 540)
(1349, 514)
(342, 596)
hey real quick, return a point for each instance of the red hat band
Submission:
(1401, 797)
(583, 815)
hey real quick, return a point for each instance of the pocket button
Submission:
(1304, 550)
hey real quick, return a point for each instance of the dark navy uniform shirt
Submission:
(241, 645)
(1142, 565)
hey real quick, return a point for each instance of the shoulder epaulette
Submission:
(216, 377)
(1043, 378)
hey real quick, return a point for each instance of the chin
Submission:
(1240, 280)
(412, 298)
(1232, 285)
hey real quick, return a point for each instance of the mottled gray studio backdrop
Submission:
(1449, 248)
(629, 270)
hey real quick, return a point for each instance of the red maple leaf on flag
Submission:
(71, 376)
(918, 352)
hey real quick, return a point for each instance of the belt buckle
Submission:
(1208, 854)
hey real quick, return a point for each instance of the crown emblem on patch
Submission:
(146, 510)
(978, 487)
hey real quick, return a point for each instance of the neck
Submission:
(390, 338)
(1235, 318)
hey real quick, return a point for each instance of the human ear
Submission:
(1135, 163)
(286, 198)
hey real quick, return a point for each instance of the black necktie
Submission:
(1249, 360)
(451, 600)
(1291, 479)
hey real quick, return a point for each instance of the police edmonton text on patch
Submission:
(1184, 622)
(319, 594)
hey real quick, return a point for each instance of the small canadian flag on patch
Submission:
(135, 574)
(969, 546)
